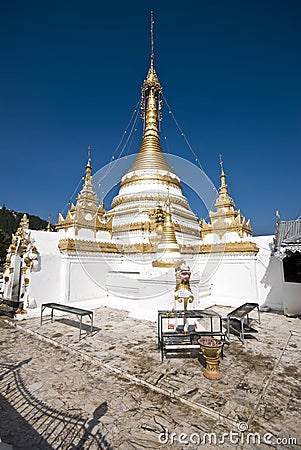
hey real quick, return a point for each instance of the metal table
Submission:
(187, 339)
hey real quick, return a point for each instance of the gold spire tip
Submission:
(152, 39)
(221, 162)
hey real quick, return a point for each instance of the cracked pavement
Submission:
(111, 390)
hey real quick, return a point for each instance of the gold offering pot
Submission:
(211, 350)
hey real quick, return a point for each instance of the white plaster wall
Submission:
(45, 242)
(292, 298)
(86, 234)
(45, 284)
(274, 292)
(66, 233)
(228, 280)
(86, 279)
(103, 236)
(213, 238)
(234, 281)
(268, 273)
(141, 293)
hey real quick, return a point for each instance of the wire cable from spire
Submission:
(191, 149)
(72, 196)
(133, 120)
(125, 131)
(183, 134)
(165, 137)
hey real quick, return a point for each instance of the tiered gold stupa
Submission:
(151, 184)
(85, 214)
(231, 229)
(150, 214)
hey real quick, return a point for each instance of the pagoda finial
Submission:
(221, 162)
(150, 155)
(151, 83)
(88, 167)
(152, 40)
(223, 188)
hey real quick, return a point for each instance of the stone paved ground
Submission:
(111, 390)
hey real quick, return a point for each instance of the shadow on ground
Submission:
(26, 422)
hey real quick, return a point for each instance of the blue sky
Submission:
(71, 74)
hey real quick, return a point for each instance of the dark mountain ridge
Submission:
(9, 222)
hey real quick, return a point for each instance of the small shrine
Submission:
(22, 258)
(228, 231)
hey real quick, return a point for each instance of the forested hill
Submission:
(9, 222)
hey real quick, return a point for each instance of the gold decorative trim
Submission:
(164, 248)
(192, 249)
(168, 263)
(79, 223)
(133, 198)
(137, 248)
(166, 179)
(81, 246)
(151, 226)
(243, 247)
(220, 228)
(134, 226)
(186, 230)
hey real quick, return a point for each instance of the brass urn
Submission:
(211, 350)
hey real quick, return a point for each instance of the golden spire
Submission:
(88, 177)
(85, 213)
(24, 222)
(168, 247)
(226, 219)
(152, 40)
(150, 155)
(168, 235)
(223, 190)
